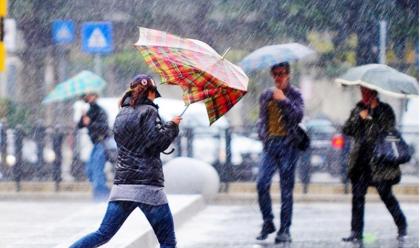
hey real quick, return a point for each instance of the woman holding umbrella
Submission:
(140, 136)
(367, 121)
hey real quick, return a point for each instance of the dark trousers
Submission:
(159, 217)
(359, 190)
(283, 157)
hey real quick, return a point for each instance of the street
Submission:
(314, 225)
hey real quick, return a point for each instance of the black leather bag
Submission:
(301, 138)
(391, 148)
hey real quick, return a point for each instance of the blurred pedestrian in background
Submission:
(141, 136)
(368, 120)
(281, 110)
(96, 121)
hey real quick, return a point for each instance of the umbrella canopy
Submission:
(84, 82)
(267, 56)
(196, 67)
(381, 78)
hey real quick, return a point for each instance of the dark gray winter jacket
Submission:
(141, 136)
(98, 128)
(365, 133)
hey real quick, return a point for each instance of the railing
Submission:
(34, 155)
(51, 153)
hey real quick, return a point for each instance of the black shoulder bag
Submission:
(391, 148)
(301, 139)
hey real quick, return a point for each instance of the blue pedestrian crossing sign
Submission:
(97, 37)
(63, 31)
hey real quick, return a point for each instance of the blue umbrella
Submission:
(381, 78)
(82, 83)
(267, 56)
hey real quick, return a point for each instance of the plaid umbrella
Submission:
(196, 67)
(82, 83)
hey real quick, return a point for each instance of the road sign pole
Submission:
(62, 64)
(3, 13)
(382, 42)
(98, 64)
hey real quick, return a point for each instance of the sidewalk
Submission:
(237, 193)
(46, 224)
(240, 193)
(40, 217)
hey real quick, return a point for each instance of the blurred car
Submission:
(245, 154)
(209, 142)
(326, 149)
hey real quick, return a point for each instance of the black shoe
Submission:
(354, 237)
(267, 228)
(283, 238)
(402, 234)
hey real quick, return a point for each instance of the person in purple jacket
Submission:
(281, 110)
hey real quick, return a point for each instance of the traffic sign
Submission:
(97, 37)
(63, 31)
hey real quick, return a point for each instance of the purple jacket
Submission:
(292, 110)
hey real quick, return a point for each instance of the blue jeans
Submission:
(278, 154)
(160, 217)
(95, 172)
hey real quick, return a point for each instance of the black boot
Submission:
(402, 233)
(267, 228)
(354, 237)
(283, 237)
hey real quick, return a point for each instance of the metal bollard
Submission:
(77, 166)
(39, 132)
(178, 146)
(3, 148)
(18, 167)
(226, 172)
(344, 163)
(190, 138)
(57, 141)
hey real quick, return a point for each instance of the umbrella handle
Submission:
(184, 110)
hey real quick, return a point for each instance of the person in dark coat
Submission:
(141, 136)
(281, 110)
(367, 121)
(96, 121)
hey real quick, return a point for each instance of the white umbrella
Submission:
(381, 78)
(267, 56)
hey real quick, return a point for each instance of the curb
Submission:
(8, 188)
(319, 188)
(137, 232)
(148, 238)
(251, 198)
(47, 196)
(48, 186)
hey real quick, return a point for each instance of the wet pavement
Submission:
(57, 224)
(315, 224)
